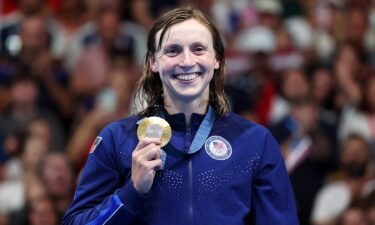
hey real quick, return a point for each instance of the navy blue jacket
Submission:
(238, 177)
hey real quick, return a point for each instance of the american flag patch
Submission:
(218, 148)
(218, 144)
(95, 144)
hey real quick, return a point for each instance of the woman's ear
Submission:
(153, 64)
(217, 64)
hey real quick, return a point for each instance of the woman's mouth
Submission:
(186, 76)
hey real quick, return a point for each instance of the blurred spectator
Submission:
(39, 210)
(47, 176)
(307, 150)
(324, 18)
(293, 85)
(128, 13)
(112, 103)
(360, 118)
(257, 80)
(95, 62)
(41, 129)
(335, 197)
(29, 132)
(286, 55)
(42, 212)
(52, 79)
(10, 25)
(233, 16)
(300, 31)
(135, 22)
(20, 173)
(356, 26)
(140, 11)
(354, 215)
(350, 70)
(322, 82)
(67, 28)
(270, 12)
(57, 175)
(34, 190)
(11, 193)
(258, 39)
(23, 110)
(132, 27)
(33, 154)
(34, 59)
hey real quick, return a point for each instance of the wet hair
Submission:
(149, 92)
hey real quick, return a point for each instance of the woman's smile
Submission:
(186, 76)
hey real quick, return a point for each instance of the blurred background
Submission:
(304, 69)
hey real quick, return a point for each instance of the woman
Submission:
(218, 168)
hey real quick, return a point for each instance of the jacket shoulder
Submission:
(244, 125)
(118, 131)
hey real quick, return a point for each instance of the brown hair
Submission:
(150, 88)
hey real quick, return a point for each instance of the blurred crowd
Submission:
(304, 69)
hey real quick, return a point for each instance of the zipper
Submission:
(190, 192)
(190, 167)
(187, 139)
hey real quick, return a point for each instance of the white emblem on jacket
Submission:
(218, 148)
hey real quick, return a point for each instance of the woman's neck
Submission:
(187, 109)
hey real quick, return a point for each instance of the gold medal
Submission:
(155, 127)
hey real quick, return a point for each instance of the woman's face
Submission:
(185, 62)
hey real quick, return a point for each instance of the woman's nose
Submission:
(187, 59)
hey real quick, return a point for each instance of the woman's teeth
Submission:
(187, 77)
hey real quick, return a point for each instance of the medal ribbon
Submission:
(203, 130)
(199, 139)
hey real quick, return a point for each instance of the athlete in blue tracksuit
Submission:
(218, 168)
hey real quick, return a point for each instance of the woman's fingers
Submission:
(146, 159)
(147, 141)
(148, 153)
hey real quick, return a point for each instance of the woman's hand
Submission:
(146, 159)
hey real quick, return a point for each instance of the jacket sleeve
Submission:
(273, 197)
(102, 196)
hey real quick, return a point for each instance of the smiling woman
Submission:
(215, 167)
(189, 43)
(186, 67)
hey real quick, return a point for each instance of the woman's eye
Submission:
(199, 50)
(171, 52)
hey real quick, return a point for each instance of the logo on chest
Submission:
(218, 148)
